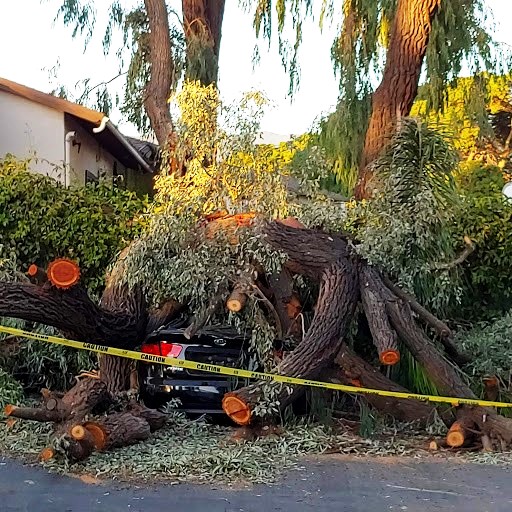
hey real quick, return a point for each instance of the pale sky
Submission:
(31, 45)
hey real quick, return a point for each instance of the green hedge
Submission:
(41, 220)
(486, 217)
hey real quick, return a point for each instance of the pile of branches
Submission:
(346, 283)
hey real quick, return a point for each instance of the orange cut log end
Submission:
(10, 422)
(78, 432)
(98, 434)
(63, 273)
(389, 357)
(456, 435)
(292, 222)
(9, 409)
(32, 270)
(236, 409)
(236, 301)
(46, 454)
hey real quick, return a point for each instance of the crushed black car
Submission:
(198, 392)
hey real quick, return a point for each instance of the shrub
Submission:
(41, 220)
(490, 345)
(486, 217)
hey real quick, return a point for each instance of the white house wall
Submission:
(88, 155)
(28, 129)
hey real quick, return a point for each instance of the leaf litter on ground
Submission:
(196, 451)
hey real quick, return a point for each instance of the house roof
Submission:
(123, 148)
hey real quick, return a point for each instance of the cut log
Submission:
(120, 429)
(36, 275)
(353, 370)
(444, 332)
(63, 273)
(462, 432)
(384, 337)
(334, 310)
(237, 299)
(74, 405)
(154, 418)
(46, 454)
(227, 226)
(33, 413)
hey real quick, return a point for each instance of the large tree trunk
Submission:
(160, 83)
(322, 256)
(202, 21)
(395, 95)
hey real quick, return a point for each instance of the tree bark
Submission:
(355, 371)
(202, 20)
(395, 95)
(384, 337)
(161, 60)
(334, 311)
(72, 311)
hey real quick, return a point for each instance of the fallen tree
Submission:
(214, 249)
(346, 280)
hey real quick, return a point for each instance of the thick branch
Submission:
(33, 413)
(426, 316)
(355, 371)
(443, 374)
(309, 251)
(384, 338)
(334, 310)
(74, 312)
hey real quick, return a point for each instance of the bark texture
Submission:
(72, 311)
(162, 70)
(395, 95)
(354, 371)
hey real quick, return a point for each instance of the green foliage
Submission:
(133, 24)
(37, 364)
(41, 220)
(410, 374)
(465, 113)
(486, 218)
(178, 255)
(406, 228)
(490, 345)
(458, 39)
(11, 391)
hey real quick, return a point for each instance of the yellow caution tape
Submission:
(236, 372)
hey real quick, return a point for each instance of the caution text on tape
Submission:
(241, 373)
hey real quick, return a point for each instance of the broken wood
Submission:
(461, 432)
(36, 274)
(353, 370)
(335, 307)
(237, 299)
(63, 273)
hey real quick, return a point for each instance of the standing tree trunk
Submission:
(395, 95)
(202, 20)
(160, 83)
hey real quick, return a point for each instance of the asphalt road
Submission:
(330, 484)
